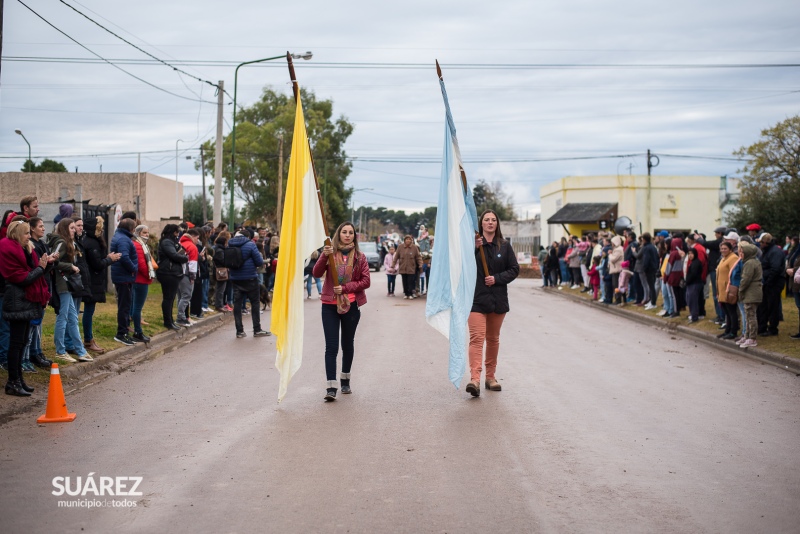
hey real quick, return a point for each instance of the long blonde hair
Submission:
(16, 231)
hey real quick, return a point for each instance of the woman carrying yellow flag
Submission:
(342, 298)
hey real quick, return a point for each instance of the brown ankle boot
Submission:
(94, 347)
(493, 385)
(474, 388)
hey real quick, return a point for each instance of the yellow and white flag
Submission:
(302, 232)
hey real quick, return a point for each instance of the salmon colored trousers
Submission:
(484, 328)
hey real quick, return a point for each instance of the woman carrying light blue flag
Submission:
(490, 303)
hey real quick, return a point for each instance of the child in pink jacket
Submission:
(391, 272)
(624, 280)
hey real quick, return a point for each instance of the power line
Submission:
(406, 66)
(399, 198)
(109, 61)
(176, 69)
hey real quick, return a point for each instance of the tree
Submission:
(258, 129)
(492, 197)
(378, 220)
(770, 189)
(47, 165)
(193, 209)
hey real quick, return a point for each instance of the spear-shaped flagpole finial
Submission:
(439, 70)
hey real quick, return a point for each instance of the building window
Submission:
(669, 213)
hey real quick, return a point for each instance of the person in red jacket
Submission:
(342, 298)
(186, 285)
(144, 277)
(594, 277)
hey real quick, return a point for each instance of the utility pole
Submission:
(650, 165)
(218, 158)
(203, 173)
(280, 183)
(138, 184)
(1, 30)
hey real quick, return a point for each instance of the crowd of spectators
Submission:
(738, 280)
(190, 263)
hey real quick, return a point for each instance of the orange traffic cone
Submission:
(56, 404)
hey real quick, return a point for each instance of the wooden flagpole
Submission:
(296, 89)
(466, 190)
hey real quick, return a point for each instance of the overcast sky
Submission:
(623, 85)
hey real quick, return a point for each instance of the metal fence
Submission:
(529, 244)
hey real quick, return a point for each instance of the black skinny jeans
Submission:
(196, 304)
(731, 318)
(391, 278)
(18, 338)
(331, 321)
(169, 288)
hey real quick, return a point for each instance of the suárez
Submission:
(112, 486)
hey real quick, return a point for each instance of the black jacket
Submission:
(650, 258)
(503, 266)
(98, 261)
(83, 265)
(694, 273)
(713, 253)
(772, 262)
(171, 258)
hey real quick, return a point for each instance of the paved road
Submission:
(603, 425)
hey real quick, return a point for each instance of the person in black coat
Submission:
(694, 285)
(650, 265)
(551, 264)
(773, 263)
(490, 303)
(171, 260)
(35, 353)
(98, 261)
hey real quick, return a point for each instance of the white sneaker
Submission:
(748, 343)
(85, 358)
(66, 358)
(662, 313)
(574, 286)
(206, 310)
(561, 287)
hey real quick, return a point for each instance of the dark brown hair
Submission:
(26, 202)
(498, 233)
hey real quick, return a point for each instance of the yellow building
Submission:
(576, 205)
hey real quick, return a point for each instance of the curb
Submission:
(80, 376)
(787, 363)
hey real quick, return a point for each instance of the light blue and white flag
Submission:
(453, 267)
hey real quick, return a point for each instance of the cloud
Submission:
(501, 114)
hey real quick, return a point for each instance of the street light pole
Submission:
(177, 212)
(19, 132)
(305, 56)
